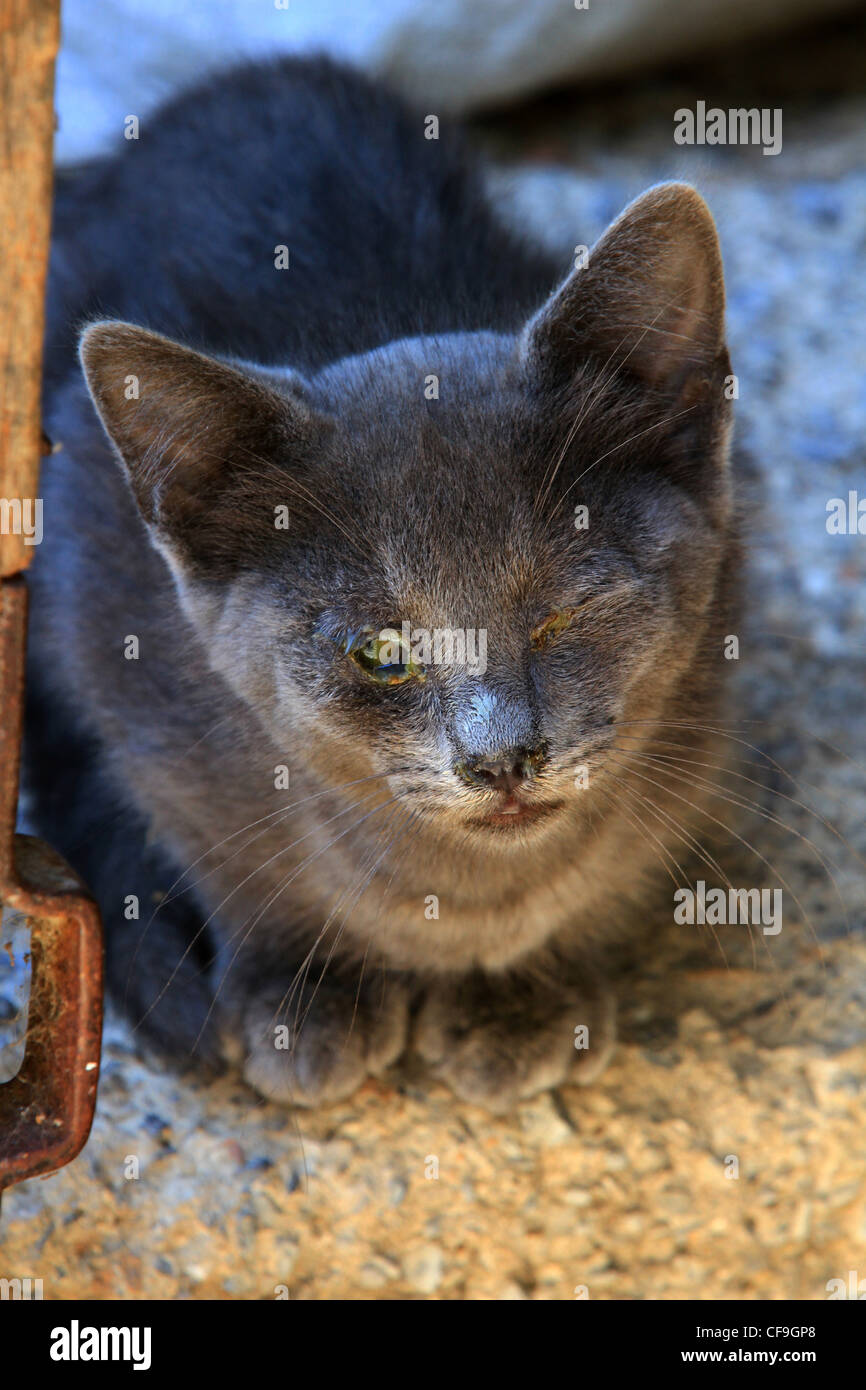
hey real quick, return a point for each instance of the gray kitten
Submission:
(341, 680)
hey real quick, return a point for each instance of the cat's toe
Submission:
(496, 1052)
(322, 1052)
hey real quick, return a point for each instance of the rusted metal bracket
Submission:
(47, 1109)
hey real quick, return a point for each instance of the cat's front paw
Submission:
(321, 1049)
(496, 1040)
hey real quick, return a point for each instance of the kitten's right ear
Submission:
(650, 300)
(208, 447)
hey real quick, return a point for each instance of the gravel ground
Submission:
(723, 1153)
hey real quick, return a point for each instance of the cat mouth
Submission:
(513, 814)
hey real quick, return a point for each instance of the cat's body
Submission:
(454, 843)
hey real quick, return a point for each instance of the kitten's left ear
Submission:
(208, 446)
(650, 299)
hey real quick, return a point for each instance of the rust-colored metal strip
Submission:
(46, 1110)
(29, 34)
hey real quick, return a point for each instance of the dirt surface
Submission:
(723, 1152)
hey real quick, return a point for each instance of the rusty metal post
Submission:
(47, 1109)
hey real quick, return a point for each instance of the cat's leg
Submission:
(313, 1037)
(157, 950)
(497, 1038)
(158, 972)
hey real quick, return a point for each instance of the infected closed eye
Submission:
(384, 656)
(551, 626)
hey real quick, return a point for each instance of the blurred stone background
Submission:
(755, 1050)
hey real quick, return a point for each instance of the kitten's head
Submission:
(459, 561)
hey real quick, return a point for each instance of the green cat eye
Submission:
(551, 627)
(384, 656)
